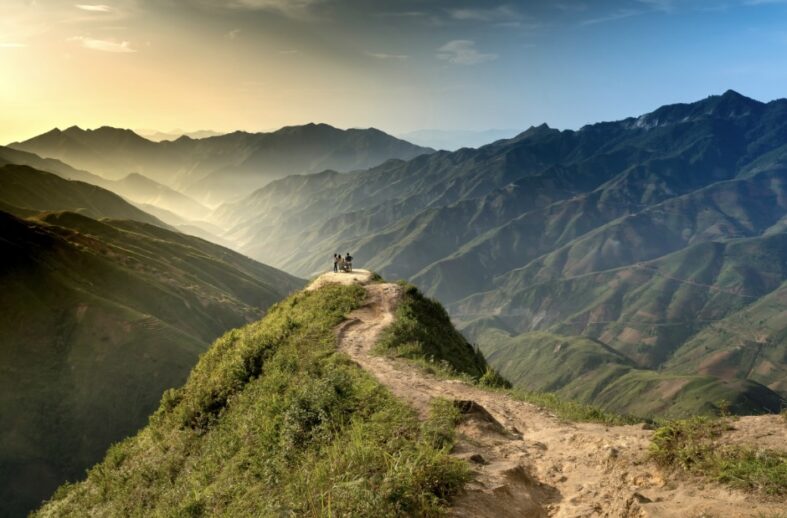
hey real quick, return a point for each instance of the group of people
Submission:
(342, 264)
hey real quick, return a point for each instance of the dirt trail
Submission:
(526, 461)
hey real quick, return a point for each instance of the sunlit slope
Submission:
(274, 421)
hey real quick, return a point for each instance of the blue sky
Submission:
(397, 65)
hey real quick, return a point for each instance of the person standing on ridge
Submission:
(335, 263)
(340, 262)
(348, 261)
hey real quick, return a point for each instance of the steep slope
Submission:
(144, 191)
(98, 319)
(280, 418)
(273, 422)
(134, 187)
(219, 168)
(50, 165)
(28, 188)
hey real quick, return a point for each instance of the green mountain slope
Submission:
(134, 187)
(627, 232)
(27, 188)
(98, 319)
(272, 421)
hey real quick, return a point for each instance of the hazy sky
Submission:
(397, 65)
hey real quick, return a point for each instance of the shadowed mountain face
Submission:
(223, 167)
(98, 319)
(631, 233)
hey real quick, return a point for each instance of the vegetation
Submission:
(273, 421)
(653, 236)
(100, 318)
(585, 370)
(30, 189)
(692, 445)
(572, 410)
(422, 332)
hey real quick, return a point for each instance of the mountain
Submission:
(269, 415)
(142, 190)
(451, 140)
(223, 167)
(158, 136)
(27, 188)
(98, 319)
(15, 157)
(357, 397)
(136, 188)
(616, 232)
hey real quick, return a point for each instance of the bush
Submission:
(692, 445)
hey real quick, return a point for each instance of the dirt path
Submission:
(526, 461)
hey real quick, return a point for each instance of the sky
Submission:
(399, 66)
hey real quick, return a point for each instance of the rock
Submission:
(639, 497)
(478, 459)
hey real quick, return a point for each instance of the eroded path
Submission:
(526, 461)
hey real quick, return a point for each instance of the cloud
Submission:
(402, 14)
(501, 13)
(12, 45)
(463, 52)
(617, 15)
(94, 8)
(383, 55)
(666, 6)
(103, 45)
(233, 34)
(290, 8)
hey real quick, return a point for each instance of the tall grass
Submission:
(692, 445)
(272, 422)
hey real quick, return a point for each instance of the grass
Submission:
(273, 421)
(422, 333)
(692, 445)
(573, 410)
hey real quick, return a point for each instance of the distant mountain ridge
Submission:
(504, 234)
(218, 168)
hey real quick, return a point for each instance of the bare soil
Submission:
(528, 462)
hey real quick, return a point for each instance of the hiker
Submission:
(335, 263)
(348, 261)
(340, 262)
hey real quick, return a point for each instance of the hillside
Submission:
(27, 188)
(614, 232)
(223, 167)
(133, 187)
(98, 319)
(301, 413)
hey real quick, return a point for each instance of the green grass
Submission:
(573, 410)
(273, 421)
(692, 445)
(422, 333)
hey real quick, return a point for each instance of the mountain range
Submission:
(614, 232)
(451, 140)
(215, 169)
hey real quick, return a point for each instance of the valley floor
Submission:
(528, 462)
